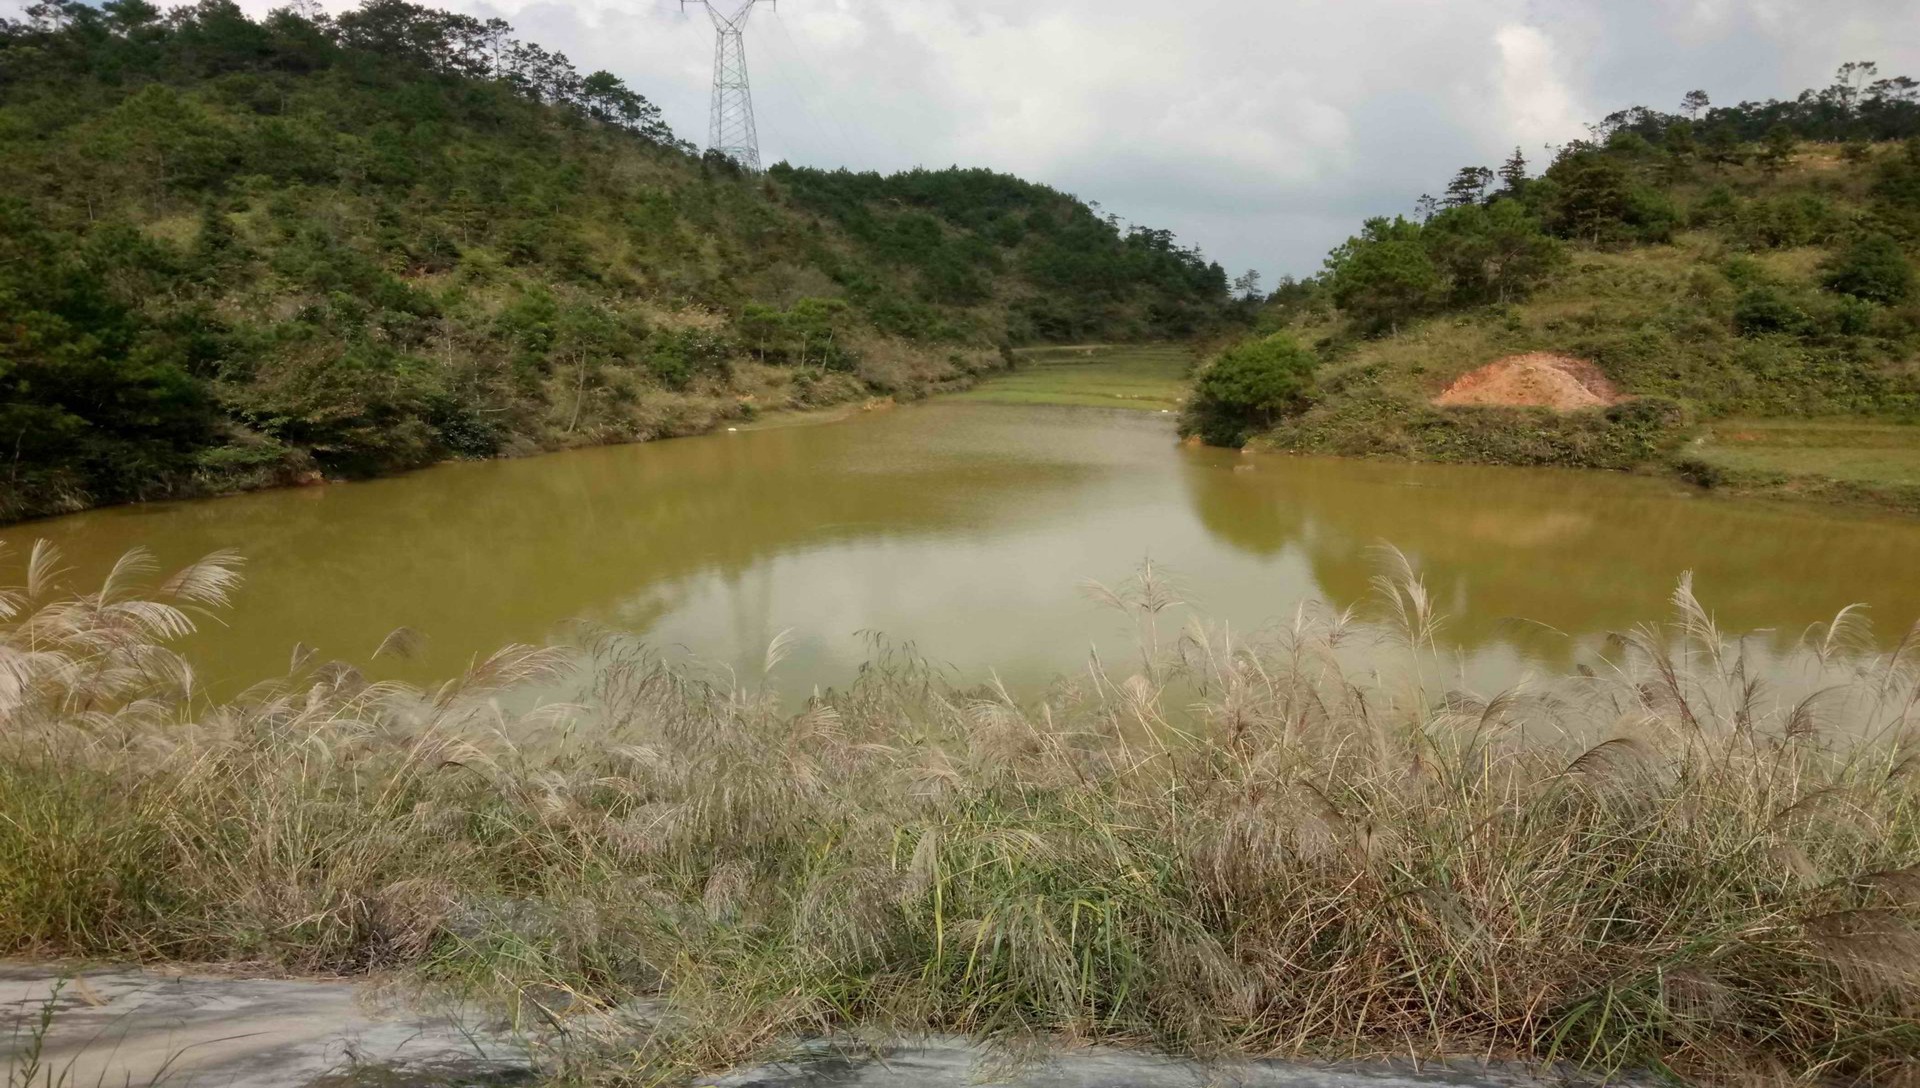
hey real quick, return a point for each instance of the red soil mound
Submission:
(1560, 382)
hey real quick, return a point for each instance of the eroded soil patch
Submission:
(1536, 380)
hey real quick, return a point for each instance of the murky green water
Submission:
(968, 529)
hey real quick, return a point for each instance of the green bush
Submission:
(1764, 309)
(1492, 254)
(1718, 208)
(95, 403)
(1651, 216)
(1789, 221)
(811, 332)
(1849, 316)
(1249, 387)
(1621, 437)
(675, 357)
(1873, 268)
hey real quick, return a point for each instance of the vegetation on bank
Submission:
(1140, 377)
(1251, 385)
(1859, 453)
(1752, 262)
(1230, 846)
(238, 252)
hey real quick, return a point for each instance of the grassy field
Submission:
(1145, 378)
(1228, 845)
(1847, 460)
(1868, 453)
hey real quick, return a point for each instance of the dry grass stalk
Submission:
(1246, 846)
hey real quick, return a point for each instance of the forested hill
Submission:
(239, 252)
(955, 228)
(1729, 291)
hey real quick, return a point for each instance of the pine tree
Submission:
(1469, 186)
(1513, 172)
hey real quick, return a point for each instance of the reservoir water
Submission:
(969, 528)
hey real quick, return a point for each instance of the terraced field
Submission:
(1144, 378)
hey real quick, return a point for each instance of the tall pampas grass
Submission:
(1239, 844)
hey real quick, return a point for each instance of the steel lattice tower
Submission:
(731, 132)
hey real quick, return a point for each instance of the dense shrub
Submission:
(1396, 271)
(95, 403)
(1494, 253)
(957, 228)
(1385, 276)
(1249, 387)
(1370, 423)
(1898, 183)
(1798, 220)
(1764, 309)
(809, 333)
(1717, 208)
(1873, 268)
(1593, 197)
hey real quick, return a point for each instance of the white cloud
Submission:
(1261, 131)
(1538, 106)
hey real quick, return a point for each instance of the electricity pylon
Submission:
(731, 132)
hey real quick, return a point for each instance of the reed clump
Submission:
(1290, 844)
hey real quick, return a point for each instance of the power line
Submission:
(730, 130)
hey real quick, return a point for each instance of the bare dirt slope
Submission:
(1540, 380)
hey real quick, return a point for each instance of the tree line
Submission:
(132, 39)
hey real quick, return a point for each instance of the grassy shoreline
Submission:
(1136, 377)
(1657, 863)
(756, 393)
(1863, 466)
(1747, 471)
(1154, 378)
(1859, 465)
(1851, 462)
(769, 397)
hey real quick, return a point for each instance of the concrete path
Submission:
(116, 1028)
(135, 1029)
(953, 1063)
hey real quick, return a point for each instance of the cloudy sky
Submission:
(1262, 130)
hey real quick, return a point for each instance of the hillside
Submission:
(1084, 276)
(1737, 290)
(238, 253)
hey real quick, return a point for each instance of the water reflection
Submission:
(1581, 553)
